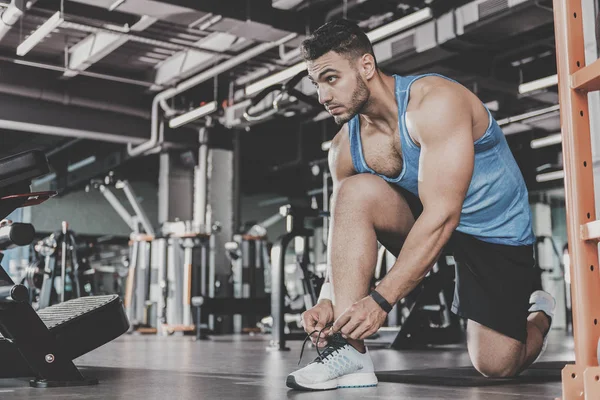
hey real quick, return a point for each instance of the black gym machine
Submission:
(43, 344)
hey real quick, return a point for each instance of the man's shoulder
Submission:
(439, 107)
(429, 88)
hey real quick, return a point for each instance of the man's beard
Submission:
(360, 96)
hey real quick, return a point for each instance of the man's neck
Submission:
(382, 109)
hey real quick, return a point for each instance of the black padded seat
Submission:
(80, 326)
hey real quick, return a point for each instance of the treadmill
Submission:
(43, 344)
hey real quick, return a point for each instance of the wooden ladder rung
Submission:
(591, 231)
(587, 78)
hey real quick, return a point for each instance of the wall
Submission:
(253, 210)
(90, 213)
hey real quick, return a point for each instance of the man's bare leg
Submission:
(498, 356)
(365, 209)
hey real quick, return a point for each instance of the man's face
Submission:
(340, 87)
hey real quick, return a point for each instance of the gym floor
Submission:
(238, 367)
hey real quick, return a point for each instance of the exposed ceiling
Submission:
(98, 68)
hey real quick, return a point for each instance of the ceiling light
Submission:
(550, 176)
(538, 84)
(193, 115)
(546, 141)
(274, 79)
(400, 24)
(40, 33)
(493, 105)
(149, 60)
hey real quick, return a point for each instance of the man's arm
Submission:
(445, 170)
(340, 167)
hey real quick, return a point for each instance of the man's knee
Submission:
(362, 188)
(495, 368)
(493, 354)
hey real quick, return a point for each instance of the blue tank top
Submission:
(496, 207)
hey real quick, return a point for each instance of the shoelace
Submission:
(335, 343)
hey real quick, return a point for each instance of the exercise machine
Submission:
(423, 318)
(138, 300)
(299, 234)
(248, 254)
(250, 267)
(59, 272)
(184, 274)
(43, 344)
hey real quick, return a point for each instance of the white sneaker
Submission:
(339, 365)
(544, 302)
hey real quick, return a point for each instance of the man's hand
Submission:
(361, 320)
(316, 319)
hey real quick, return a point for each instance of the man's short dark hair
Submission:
(341, 36)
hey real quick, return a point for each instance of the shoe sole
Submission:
(350, 381)
(291, 383)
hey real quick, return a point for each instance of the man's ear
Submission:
(367, 66)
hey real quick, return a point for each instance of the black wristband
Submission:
(387, 307)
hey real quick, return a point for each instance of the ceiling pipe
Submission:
(531, 114)
(66, 132)
(42, 129)
(66, 99)
(194, 81)
(60, 68)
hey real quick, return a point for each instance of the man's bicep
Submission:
(445, 175)
(446, 162)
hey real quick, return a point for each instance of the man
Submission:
(418, 164)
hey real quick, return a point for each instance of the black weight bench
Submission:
(43, 344)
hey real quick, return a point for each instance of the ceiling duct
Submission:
(483, 22)
(251, 19)
(477, 23)
(414, 49)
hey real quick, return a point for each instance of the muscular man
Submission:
(419, 163)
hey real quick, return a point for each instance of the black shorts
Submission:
(493, 281)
